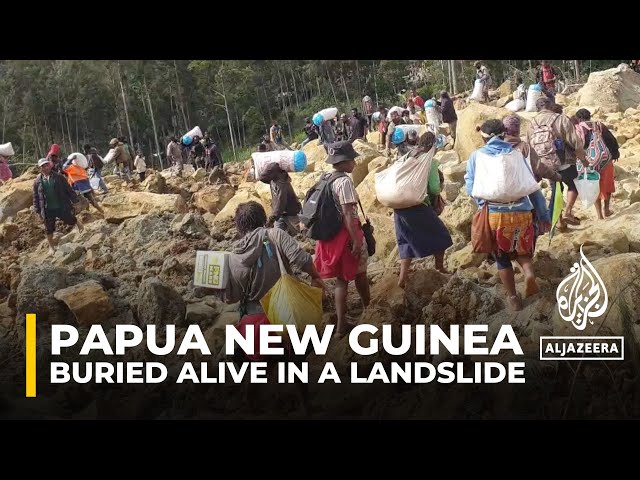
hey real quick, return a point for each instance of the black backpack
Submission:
(320, 213)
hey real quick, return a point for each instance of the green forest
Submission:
(73, 102)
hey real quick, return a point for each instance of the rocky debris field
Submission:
(135, 264)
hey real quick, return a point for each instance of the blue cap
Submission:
(535, 86)
(299, 161)
(318, 119)
(187, 140)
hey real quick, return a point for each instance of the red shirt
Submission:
(417, 100)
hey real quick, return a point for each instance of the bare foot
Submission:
(443, 270)
(571, 220)
(51, 251)
(608, 213)
(348, 326)
(402, 282)
(530, 286)
(515, 302)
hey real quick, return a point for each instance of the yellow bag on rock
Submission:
(292, 302)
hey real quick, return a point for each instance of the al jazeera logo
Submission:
(582, 298)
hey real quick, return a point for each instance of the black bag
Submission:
(95, 160)
(368, 229)
(320, 214)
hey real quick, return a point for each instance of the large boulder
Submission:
(613, 90)
(367, 193)
(160, 304)
(155, 183)
(15, 196)
(422, 284)
(461, 301)
(374, 137)
(628, 222)
(465, 258)
(213, 198)
(120, 206)
(366, 154)
(468, 139)
(316, 155)
(450, 191)
(505, 89)
(457, 216)
(455, 173)
(38, 284)
(264, 192)
(9, 232)
(88, 301)
(243, 196)
(69, 253)
(384, 232)
(621, 277)
(142, 231)
(503, 101)
(191, 225)
(380, 162)
(447, 158)
(303, 182)
(200, 313)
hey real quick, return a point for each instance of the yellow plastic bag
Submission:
(292, 302)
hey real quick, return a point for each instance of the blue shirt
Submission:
(534, 201)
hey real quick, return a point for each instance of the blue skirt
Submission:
(420, 232)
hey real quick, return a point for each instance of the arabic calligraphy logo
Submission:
(582, 296)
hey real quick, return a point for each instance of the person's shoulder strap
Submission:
(366, 219)
(283, 269)
(334, 176)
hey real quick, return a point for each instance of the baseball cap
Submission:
(42, 161)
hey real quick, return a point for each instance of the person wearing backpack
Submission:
(330, 216)
(509, 204)
(602, 150)
(96, 163)
(121, 159)
(555, 141)
(540, 169)
(419, 231)
(129, 150)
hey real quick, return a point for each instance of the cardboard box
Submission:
(212, 269)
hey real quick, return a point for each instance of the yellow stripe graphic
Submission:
(31, 354)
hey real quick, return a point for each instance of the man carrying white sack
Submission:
(6, 152)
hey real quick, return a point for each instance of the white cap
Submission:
(42, 161)
(6, 149)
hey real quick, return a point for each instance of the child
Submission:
(141, 166)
